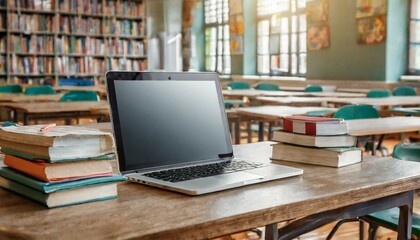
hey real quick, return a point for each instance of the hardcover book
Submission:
(59, 171)
(332, 157)
(315, 125)
(313, 140)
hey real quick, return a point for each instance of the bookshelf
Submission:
(53, 40)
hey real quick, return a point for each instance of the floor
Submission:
(348, 231)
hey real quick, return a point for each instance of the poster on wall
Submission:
(317, 11)
(371, 30)
(369, 8)
(236, 24)
(318, 37)
(236, 45)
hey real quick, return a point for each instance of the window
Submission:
(217, 50)
(414, 42)
(281, 44)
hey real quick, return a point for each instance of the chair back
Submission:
(38, 90)
(11, 88)
(379, 93)
(356, 112)
(237, 85)
(404, 91)
(267, 87)
(72, 96)
(409, 152)
(314, 88)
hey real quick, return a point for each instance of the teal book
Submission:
(49, 187)
(60, 194)
(30, 156)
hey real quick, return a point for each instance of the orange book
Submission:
(50, 172)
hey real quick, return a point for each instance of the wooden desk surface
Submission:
(149, 213)
(55, 107)
(20, 97)
(255, 93)
(293, 100)
(275, 112)
(388, 125)
(388, 101)
(98, 89)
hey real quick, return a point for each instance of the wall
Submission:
(345, 59)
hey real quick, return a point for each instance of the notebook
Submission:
(171, 132)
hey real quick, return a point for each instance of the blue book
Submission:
(62, 193)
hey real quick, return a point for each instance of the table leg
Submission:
(373, 148)
(261, 131)
(405, 219)
(237, 130)
(271, 232)
(25, 119)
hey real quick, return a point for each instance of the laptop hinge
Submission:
(226, 155)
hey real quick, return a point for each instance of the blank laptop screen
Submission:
(167, 122)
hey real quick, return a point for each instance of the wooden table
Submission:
(251, 93)
(48, 110)
(382, 102)
(101, 90)
(402, 111)
(321, 195)
(21, 97)
(294, 101)
(388, 125)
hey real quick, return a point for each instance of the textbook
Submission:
(59, 171)
(57, 136)
(55, 153)
(332, 157)
(63, 193)
(314, 141)
(315, 125)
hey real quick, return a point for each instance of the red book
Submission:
(315, 125)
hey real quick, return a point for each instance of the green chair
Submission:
(38, 90)
(237, 85)
(404, 91)
(379, 93)
(230, 103)
(71, 96)
(267, 87)
(350, 112)
(313, 88)
(11, 88)
(389, 218)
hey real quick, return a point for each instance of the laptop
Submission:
(171, 132)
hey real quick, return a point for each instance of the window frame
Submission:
(222, 57)
(289, 14)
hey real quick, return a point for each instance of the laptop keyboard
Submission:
(200, 171)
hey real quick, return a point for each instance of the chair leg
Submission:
(372, 231)
(337, 225)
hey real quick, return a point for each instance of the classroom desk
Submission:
(101, 90)
(382, 102)
(251, 93)
(21, 97)
(388, 125)
(321, 195)
(48, 110)
(402, 111)
(294, 101)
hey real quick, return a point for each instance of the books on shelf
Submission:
(62, 193)
(315, 125)
(31, 22)
(32, 4)
(332, 157)
(50, 172)
(32, 65)
(126, 27)
(57, 144)
(314, 140)
(42, 44)
(84, 25)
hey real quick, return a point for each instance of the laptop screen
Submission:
(168, 122)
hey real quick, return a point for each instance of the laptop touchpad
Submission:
(226, 180)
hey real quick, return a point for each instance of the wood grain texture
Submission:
(383, 102)
(21, 97)
(149, 213)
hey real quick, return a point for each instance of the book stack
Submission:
(59, 166)
(313, 140)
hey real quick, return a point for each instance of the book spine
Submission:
(299, 127)
(36, 170)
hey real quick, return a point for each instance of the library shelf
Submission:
(28, 10)
(34, 54)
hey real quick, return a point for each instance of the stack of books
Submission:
(58, 165)
(313, 140)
